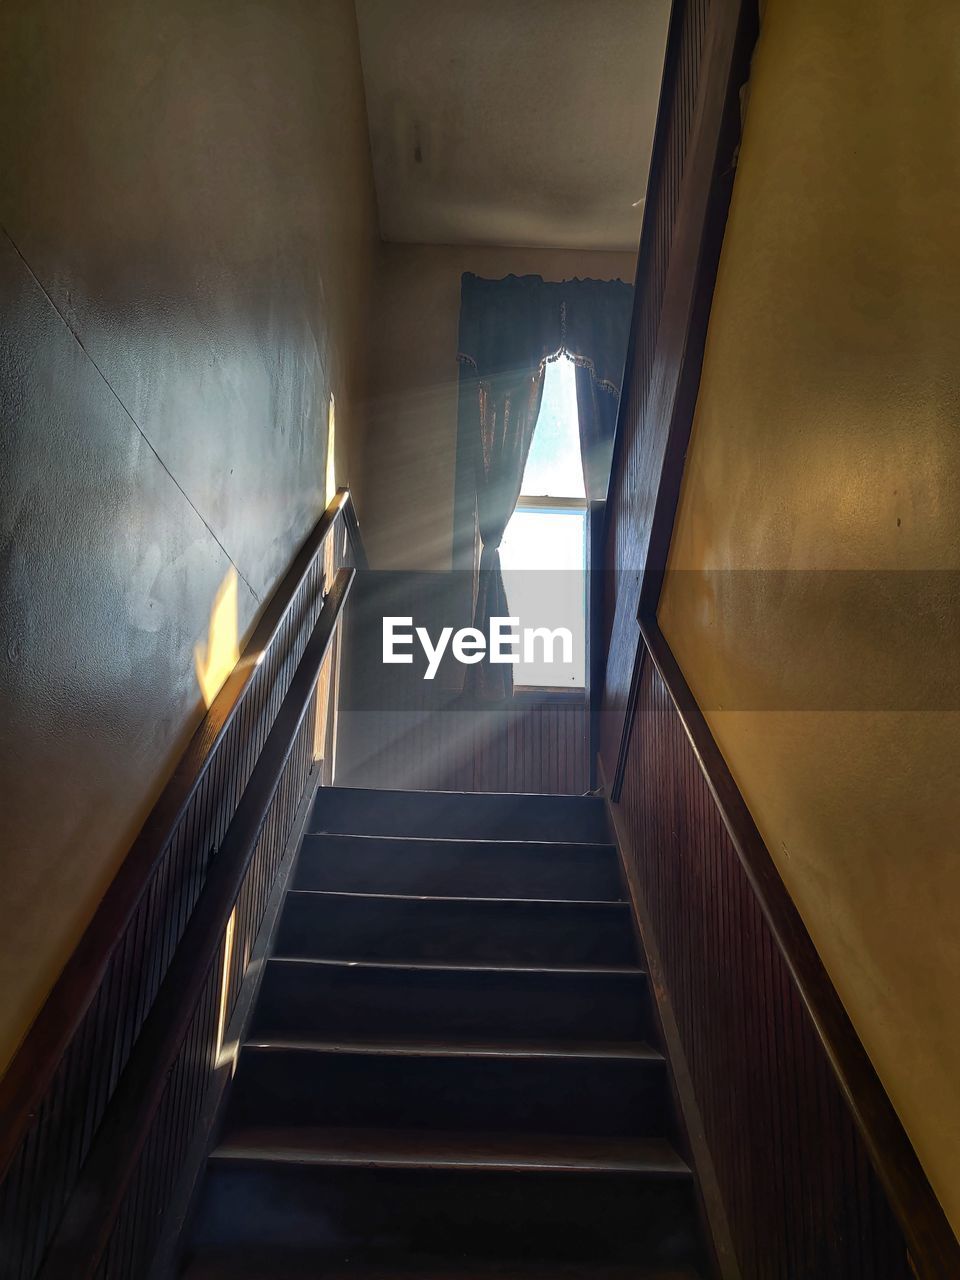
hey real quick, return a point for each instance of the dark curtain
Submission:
(509, 405)
(596, 330)
(597, 414)
(508, 330)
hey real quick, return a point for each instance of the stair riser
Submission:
(366, 1215)
(277, 1264)
(350, 864)
(323, 1002)
(458, 816)
(454, 932)
(596, 1097)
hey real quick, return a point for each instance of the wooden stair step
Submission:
(634, 1050)
(301, 1086)
(459, 815)
(404, 928)
(449, 1073)
(406, 965)
(460, 868)
(452, 1214)
(414, 1148)
(321, 1000)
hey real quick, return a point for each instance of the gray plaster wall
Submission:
(188, 237)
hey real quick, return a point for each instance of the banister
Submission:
(933, 1247)
(352, 526)
(691, 178)
(84, 1230)
(32, 1068)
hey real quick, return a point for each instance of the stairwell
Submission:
(451, 1070)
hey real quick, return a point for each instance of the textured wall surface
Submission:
(826, 445)
(188, 236)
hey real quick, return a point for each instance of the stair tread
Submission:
(637, 1050)
(465, 843)
(429, 966)
(418, 1148)
(615, 904)
(564, 797)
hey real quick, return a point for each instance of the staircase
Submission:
(449, 1073)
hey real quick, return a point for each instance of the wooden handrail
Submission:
(664, 408)
(84, 1231)
(32, 1068)
(933, 1247)
(352, 526)
(595, 649)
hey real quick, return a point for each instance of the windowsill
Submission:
(533, 695)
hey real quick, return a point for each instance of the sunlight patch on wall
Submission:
(215, 660)
(331, 474)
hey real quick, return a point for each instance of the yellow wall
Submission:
(189, 231)
(412, 416)
(827, 437)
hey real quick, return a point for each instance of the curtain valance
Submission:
(521, 321)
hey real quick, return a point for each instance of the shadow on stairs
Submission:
(450, 1070)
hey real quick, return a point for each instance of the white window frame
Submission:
(529, 502)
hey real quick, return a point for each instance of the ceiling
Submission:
(512, 122)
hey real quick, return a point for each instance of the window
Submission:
(543, 553)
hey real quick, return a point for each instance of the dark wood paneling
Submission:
(793, 1111)
(170, 1138)
(801, 1197)
(56, 1092)
(934, 1249)
(537, 747)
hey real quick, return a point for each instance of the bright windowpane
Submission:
(543, 538)
(553, 466)
(542, 557)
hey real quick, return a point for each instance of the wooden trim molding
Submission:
(709, 46)
(799, 1190)
(85, 1230)
(593, 631)
(691, 178)
(693, 254)
(57, 1089)
(32, 1067)
(934, 1249)
(713, 1213)
(616, 785)
(168, 1251)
